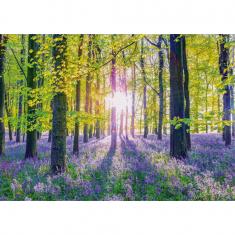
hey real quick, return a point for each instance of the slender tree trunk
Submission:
(3, 41)
(9, 114)
(40, 83)
(164, 112)
(232, 108)
(31, 138)
(78, 101)
(76, 129)
(98, 97)
(161, 104)
(126, 94)
(121, 122)
(88, 90)
(142, 64)
(186, 92)
(91, 125)
(113, 109)
(224, 60)
(97, 124)
(206, 106)
(178, 146)
(58, 145)
(20, 82)
(133, 102)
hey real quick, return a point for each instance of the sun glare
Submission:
(120, 101)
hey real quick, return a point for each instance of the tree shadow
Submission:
(139, 166)
(100, 176)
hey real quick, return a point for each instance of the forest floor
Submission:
(139, 169)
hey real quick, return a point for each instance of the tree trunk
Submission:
(178, 146)
(133, 102)
(186, 92)
(78, 100)
(113, 109)
(126, 93)
(31, 137)
(142, 64)
(232, 108)
(88, 91)
(90, 111)
(224, 64)
(58, 145)
(20, 83)
(3, 41)
(9, 114)
(161, 104)
(98, 97)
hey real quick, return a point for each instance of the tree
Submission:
(113, 109)
(133, 101)
(58, 145)
(224, 66)
(3, 41)
(88, 92)
(31, 138)
(98, 96)
(161, 100)
(186, 91)
(78, 101)
(178, 146)
(20, 82)
(142, 64)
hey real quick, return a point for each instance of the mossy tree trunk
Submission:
(224, 67)
(3, 40)
(31, 136)
(58, 145)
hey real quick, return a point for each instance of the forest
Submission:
(95, 117)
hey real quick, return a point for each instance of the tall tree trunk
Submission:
(98, 96)
(90, 111)
(20, 83)
(31, 138)
(113, 109)
(224, 65)
(97, 112)
(58, 145)
(142, 64)
(121, 122)
(41, 83)
(9, 114)
(207, 85)
(232, 108)
(88, 91)
(186, 92)
(78, 100)
(164, 112)
(126, 94)
(161, 104)
(133, 102)
(178, 144)
(3, 40)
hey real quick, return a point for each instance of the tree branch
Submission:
(145, 80)
(18, 63)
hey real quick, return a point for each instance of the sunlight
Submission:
(120, 101)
